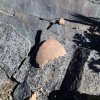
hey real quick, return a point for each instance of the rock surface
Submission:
(3, 77)
(22, 91)
(20, 75)
(13, 48)
(26, 23)
(90, 79)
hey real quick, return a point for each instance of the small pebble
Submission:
(62, 21)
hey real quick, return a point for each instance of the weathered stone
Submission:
(51, 8)
(21, 74)
(3, 77)
(21, 21)
(22, 91)
(13, 48)
(51, 49)
(50, 77)
(90, 83)
(25, 25)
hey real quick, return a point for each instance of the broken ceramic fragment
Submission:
(49, 50)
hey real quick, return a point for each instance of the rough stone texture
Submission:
(22, 20)
(25, 25)
(20, 74)
(90, 83)
(6, 89)
(51, 76)
(13, 48)
(51, 49)
(51, 8)
(3, 77)
(22, 91)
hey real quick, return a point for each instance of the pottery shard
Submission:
(62, 21)
(49, 50)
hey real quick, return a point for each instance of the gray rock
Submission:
(51, 76)
(3, 77)
(90, 82)
(48, 78)
(21, 74)
(74, 72)
(51, 9)
(57, 29)
(22, 91)
(25, 25)
(22, 20)
(13, 48)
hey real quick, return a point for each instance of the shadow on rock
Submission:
(35, 48)
(93, 63)
(92, 42)
(75, 95)
(37, 41)
(33, 55)
(91, 21)
(71, 82)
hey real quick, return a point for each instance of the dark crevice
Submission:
(50, 25)
(14, 89)
(21, 63)
(5, 72)
(50, 22)
(12, 78)
(78, 18)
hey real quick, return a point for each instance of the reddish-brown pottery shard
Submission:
(50, 50)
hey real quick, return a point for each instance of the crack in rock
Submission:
(13, 48)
